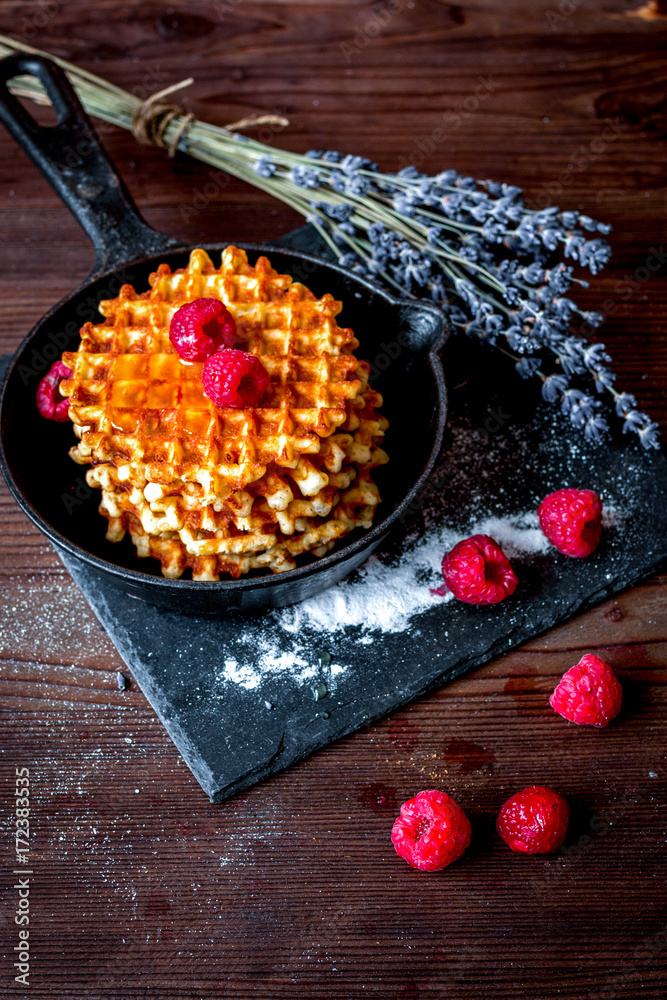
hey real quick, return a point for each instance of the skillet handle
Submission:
(73, 161)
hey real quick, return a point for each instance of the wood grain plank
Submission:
(142, 887)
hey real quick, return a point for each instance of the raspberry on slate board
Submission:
(572, 521)
(478, 572)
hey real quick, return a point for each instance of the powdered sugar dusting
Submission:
(48, 615)
(270, 659)
(239, 674)
(612, 517)
(385, 598)
(387, 595)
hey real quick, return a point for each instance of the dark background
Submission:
(142, 887)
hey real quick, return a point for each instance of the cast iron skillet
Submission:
(400, 340)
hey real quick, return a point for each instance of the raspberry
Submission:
(588, 693)
(202, 327)
(234, 378)
(478, 572)
(572, 521)
(534, 821)
(49, 401)
(431, 832)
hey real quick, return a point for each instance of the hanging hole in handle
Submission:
(38, 75)
(39, 107)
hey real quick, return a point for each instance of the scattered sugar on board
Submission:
(384, 598)
(270, 659)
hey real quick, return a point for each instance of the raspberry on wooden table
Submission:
(200, 328)
(431, 831)
(588, 693)
(534, 821)
(572, 521)
(478, 572)
(234, 378)
(50, 403)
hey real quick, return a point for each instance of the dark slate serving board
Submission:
(244, 697)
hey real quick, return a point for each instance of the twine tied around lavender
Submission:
(151, 120)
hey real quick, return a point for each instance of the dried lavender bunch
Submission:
(478, 252)
(472, 247)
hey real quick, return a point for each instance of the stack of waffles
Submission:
(223, 490)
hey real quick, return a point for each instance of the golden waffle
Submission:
(207, 525)
(223, 490)
(134, 402)
(240, 552)
(350, 497)
(312, 485)
(282, 501)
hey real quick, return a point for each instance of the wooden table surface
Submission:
(141, 887)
